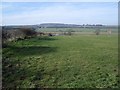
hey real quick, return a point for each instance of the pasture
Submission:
(76, 61)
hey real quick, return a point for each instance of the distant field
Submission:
(77, 61)
(91, 30)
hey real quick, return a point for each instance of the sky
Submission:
(60, 0)
(27, 13)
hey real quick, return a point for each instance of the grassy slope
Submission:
(62, 61)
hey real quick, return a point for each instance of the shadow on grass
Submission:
(31, 50)
(20, 73)
(47, 38)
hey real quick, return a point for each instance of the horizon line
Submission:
(59, 23)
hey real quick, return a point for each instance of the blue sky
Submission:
(19, 13)
(60, 0)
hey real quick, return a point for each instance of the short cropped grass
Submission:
(77, 61)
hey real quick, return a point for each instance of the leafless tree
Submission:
(97, 32)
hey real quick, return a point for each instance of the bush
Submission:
(5, 36)
(17, 34)
(28, 32)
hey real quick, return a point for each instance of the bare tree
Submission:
(97, 32)
(109, 32)
(28, 32)
(69, 32)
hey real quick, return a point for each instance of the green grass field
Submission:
(77, 61)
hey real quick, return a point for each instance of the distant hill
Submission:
(19, 26)
(57, 25)
(61, 25)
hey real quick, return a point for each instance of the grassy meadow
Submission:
(76, 61)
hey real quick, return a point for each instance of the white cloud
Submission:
(60, 0)
(64, 14)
